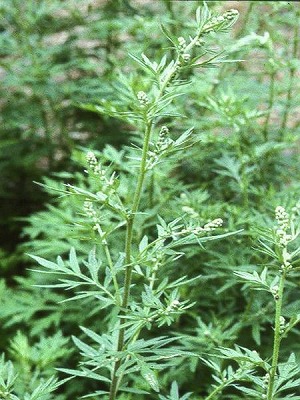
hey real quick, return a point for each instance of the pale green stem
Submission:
(130, 224)
(110, 264)
(151, 190)
(111, 267)
(151, 285)
(217, 390)
(136, 335)
(277, 338)
(128, 246)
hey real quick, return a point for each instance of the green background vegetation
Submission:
(56, 56)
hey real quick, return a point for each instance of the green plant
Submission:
(279, 376)
(25, 378)
(227, 167)
(53, 56)
(156, 302)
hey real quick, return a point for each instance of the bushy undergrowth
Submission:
(165, 262)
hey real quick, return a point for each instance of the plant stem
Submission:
(277, 338)
(111, 267)
(130, 222)
(110, 264)
(128, 246)
(217, 390)
(135, 336)
(151, 191)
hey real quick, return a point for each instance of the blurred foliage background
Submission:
(55, 56)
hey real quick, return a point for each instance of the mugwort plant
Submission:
(130, 284)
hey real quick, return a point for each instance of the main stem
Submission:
(128, 246)
(277, 338)
(130, 224)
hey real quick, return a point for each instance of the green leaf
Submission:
(87, 350)
(148, 375)
(84, 373)
(45, 263)
(256, 333)
(97, 393)
(143, 244)
(93, 335)
(168, 34)
(73, 261)
(133, 390)
(256, 281)
(174, 391)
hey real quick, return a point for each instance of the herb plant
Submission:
(166, 235)
(157, 301)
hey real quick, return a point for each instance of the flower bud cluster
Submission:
(282, 325)
(215, 22)
(286, 267)
(163, 144)
(92, 162)
(142, 98)
(186, 57)
(286, 261)
(274, 291)
(266, 379)
(107, 184)
(91, 213)
(183, 57)
(282, 217)
(210, 226)
(181, 44)
(283, 221)
(231, 14)
(94, 165)
(163, 139)
(171, 307)
(157, 262)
